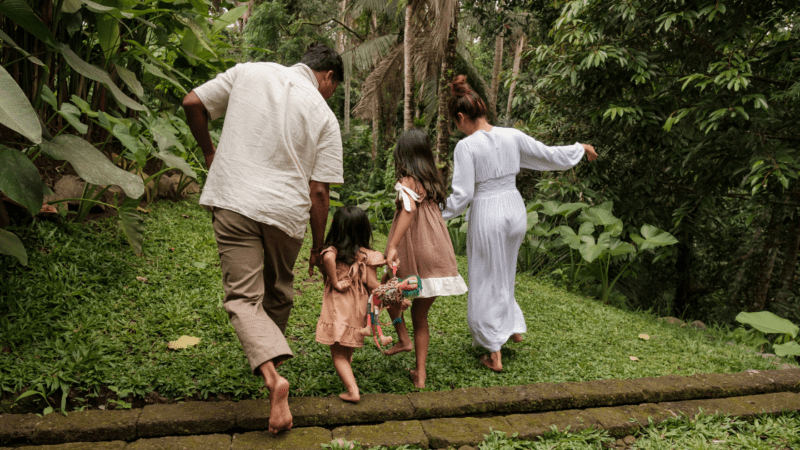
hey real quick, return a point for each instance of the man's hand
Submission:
(314, 260)
(590, 153)
(210, 158)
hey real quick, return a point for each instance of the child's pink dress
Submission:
(344, 314)
(426, 249)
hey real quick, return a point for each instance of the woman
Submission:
(486, 163)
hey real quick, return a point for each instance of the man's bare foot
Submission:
(280, 418)
(350, 397)
(399, 347)
(492, 362)
(516, 337)
(417, 378)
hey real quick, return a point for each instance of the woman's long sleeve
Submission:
(537, 156)
(463, 183)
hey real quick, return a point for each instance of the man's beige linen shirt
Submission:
(279, 134)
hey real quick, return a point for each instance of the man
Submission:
(279, 150)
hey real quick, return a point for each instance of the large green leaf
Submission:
(21, 14)
(16, 111)
(569, 237)
(20, 179)
(12, 246)
(132, 224)
(97, 74)
(73, 116)
(176, 162)
(228, 18)
(129, 78)
(586, 229)
(791, 348)
(7, 39)
(91, 165)
(621, 248)
(565, 209)
(108, 34)
(533, 219)
(655, 237)
(591, 251)
(598, 215)
(768, 323)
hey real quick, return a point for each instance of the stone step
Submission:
(524, 409)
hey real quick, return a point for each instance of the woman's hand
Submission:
(343, 285)
(590, 153)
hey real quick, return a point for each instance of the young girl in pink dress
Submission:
(419, 243)
(350, 274)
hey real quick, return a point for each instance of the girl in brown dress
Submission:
(419, 243)
(350, 274)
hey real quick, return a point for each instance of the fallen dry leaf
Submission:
(633, 358)
(644, 337)
(142, 279)
(183, 342)
(184, 216)
(142, 210)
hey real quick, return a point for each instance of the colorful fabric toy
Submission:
(394, 292)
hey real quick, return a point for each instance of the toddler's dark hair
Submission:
(350, 230)
(413, 157)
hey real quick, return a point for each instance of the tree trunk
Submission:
(445, 76)
(514, 74)
(790, 260)
(375, 137)
(498, 63)
(683, 269)
(408, 106)
(765, 262)
(341, 45)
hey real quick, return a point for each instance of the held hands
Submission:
(391, 257)
(590, 153)
(343, 285)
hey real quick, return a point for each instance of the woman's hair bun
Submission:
(459, 86)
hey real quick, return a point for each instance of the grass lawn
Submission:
(88, 316)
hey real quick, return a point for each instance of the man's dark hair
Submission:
(321, 58)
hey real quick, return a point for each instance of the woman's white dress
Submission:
(485, 165)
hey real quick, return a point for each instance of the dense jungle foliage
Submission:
(691, 104)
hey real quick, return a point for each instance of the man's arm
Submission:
(320, 198)
(197, 119)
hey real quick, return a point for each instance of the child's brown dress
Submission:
(344, 314)
(426, 249)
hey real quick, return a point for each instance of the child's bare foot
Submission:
(516, 337)
(417, 378)
(386, 340)
(492, 361)
(280, 418)
(350, 397)
(400, 347)
(366, 331)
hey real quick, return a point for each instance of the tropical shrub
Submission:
(765, 324)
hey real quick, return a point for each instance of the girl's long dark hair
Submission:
(350, 230)
(413, 157)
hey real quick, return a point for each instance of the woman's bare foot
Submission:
(417, 378)
(400, 347)
(492, 361)
(350, 397)
(280, 418)
(516, 337)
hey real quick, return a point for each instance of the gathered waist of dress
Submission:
(495, 186)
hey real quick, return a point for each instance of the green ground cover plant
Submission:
(717, 432)
(86, 319)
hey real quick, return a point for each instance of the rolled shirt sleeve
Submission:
(328, 164)
(537, 156)
(463, 182)
(215, 93)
